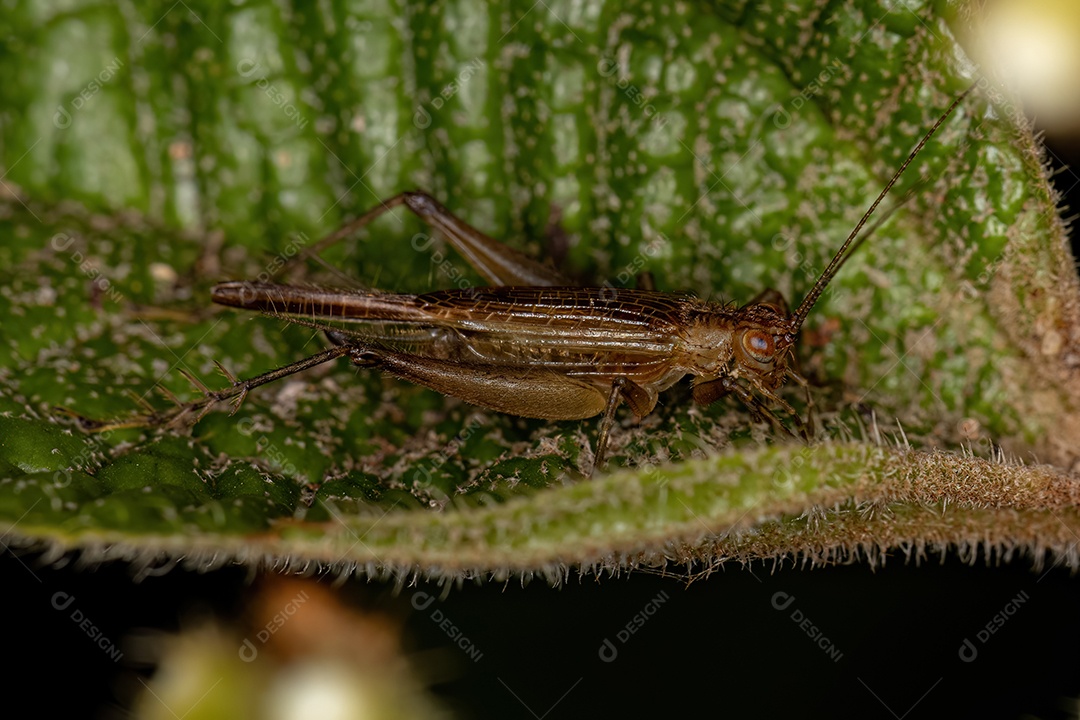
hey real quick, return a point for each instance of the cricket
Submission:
(534, 344)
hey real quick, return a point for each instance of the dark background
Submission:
(717, 645)
(1063, 154)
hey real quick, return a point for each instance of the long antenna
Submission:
(839, 259)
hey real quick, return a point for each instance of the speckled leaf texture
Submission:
(151, 150)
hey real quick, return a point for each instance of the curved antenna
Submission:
(840, 258)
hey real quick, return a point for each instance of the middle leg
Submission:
(641, 402)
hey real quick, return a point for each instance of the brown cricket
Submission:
(534, 344)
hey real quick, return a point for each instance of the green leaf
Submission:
(725, 148)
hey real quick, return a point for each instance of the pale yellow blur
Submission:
(1033, 46)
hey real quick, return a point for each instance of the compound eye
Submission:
(759, 346)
